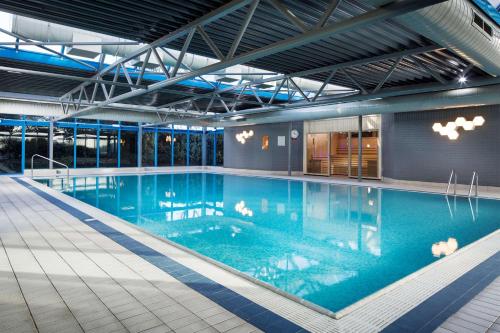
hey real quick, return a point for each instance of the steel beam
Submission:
(243, 28)
(335, 67)
(281, 7)
(387, 12)
(332, 6)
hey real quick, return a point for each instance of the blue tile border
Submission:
(431, 313)
(235, 303)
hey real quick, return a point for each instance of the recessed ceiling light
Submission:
(462, 79)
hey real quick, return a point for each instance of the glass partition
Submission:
(128, 146)
(10, 149)
(86, 148)
(63, 146)
(37, 142)
(148, 149)
(317, 154)
(180, 147)
(195, 157)
(164, 149)
(108, 148)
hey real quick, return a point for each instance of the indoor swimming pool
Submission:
(331, 245)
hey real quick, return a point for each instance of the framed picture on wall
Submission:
(265, 142)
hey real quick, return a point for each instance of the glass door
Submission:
(369, 155)
(317, 154)
(339, 153)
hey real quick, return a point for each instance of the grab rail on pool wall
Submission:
(50, 160)
(453, 174)
(475, 176)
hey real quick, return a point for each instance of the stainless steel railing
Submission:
(50, 160)
(453, 176)
(474, 181)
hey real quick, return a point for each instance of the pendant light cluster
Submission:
(452, 127)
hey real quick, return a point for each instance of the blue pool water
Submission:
(331, 245)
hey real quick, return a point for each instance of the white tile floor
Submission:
(481, 314)
(58, 274)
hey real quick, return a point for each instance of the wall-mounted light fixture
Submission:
(244, 136)
(451, 128)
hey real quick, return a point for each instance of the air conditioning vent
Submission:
(480, 23)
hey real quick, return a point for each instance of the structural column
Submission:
(139, 146)
(204, 146)
(360, 147)
(51, 144)
(289, 148)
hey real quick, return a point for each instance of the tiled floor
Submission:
(481, 314)
(58, 274)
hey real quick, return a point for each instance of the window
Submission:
(63, 146)
(180, 146)
(10, 149)
(219, 160)
(128, 145)
(195, 156)
(37, 142)
(108, 151)
(480, 23)
(86, 148)
(210, 148)
(148, 148)
(164, 149)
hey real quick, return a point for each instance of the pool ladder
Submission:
(50, 160)
(473, 184)
(453, 177)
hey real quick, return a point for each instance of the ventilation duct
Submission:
(50, 32)
(456, 25)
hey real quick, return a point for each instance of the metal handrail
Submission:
(475, 176)
(453, 174)
(50, 160)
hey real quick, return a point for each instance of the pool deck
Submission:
(68, 267)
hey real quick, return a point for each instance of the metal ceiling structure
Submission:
(344, 42)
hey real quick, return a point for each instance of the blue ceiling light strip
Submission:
(233, 302)
(488, 9)
(56, 61)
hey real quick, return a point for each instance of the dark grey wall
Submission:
(412, 151)
(251, 156)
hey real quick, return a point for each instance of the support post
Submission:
(51, 144)
(360, 147)
(204, 147)
(172, 151)
(75, 146)
(23, 147)
(139, 146)
(119, 155)
(156, 147)
(289, 148)
(98, 144)
(188, 147)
